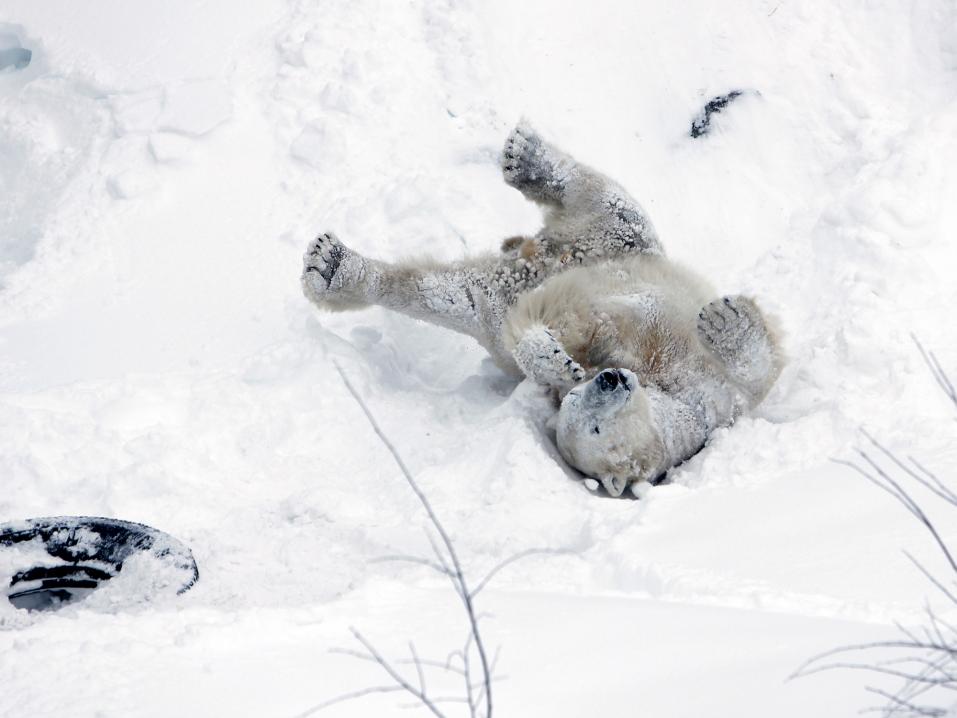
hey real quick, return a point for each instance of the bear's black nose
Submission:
(608, 380)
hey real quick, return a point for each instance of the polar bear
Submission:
(644, 361)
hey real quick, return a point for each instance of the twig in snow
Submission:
(458, 575)
(478, 695)
(940, 376)
(929, 660)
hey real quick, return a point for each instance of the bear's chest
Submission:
(639, 332)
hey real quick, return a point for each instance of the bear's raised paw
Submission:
(523, 158)
(332, 272)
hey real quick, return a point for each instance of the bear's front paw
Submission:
(543, 359)
(329, 268)
(323, 257)
(336, 277)
(523, 160)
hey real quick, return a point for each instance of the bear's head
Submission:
(605, 430)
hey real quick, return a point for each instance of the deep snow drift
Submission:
(162, 168)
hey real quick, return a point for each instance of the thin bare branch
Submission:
(921, 664)
(352, 653)
(807, 668)
(456, 566)
(348, 697)
(398, 460)
(412, 559)
(930, 577)
(940, 376)
(470, 699)
(442, 561)
(945, 681)
(395, 675)
(874, 480)
(434, 664)
(480, 695)
(452, 656)
(930, 661)
(906, 704)
(512, 559)
(892, 487)
(437, 551)
(498, 652)
(418, 667)
(944, 490)
(949, 626)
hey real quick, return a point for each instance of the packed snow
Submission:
(163, 167)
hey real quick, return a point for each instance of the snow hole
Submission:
(13, 56)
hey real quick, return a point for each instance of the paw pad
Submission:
(520, 156)
(320, 264)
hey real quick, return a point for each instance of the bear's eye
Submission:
(595, 430)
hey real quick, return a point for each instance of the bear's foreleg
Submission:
(543, 359)
(591, 217)
(536, 168)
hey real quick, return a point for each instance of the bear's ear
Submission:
(614, 485)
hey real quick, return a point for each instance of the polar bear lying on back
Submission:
(646, 362)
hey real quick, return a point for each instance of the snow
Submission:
(162, 168)
(195, 108)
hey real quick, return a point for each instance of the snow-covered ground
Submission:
(162, 167)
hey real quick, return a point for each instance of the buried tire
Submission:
(46, 563)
